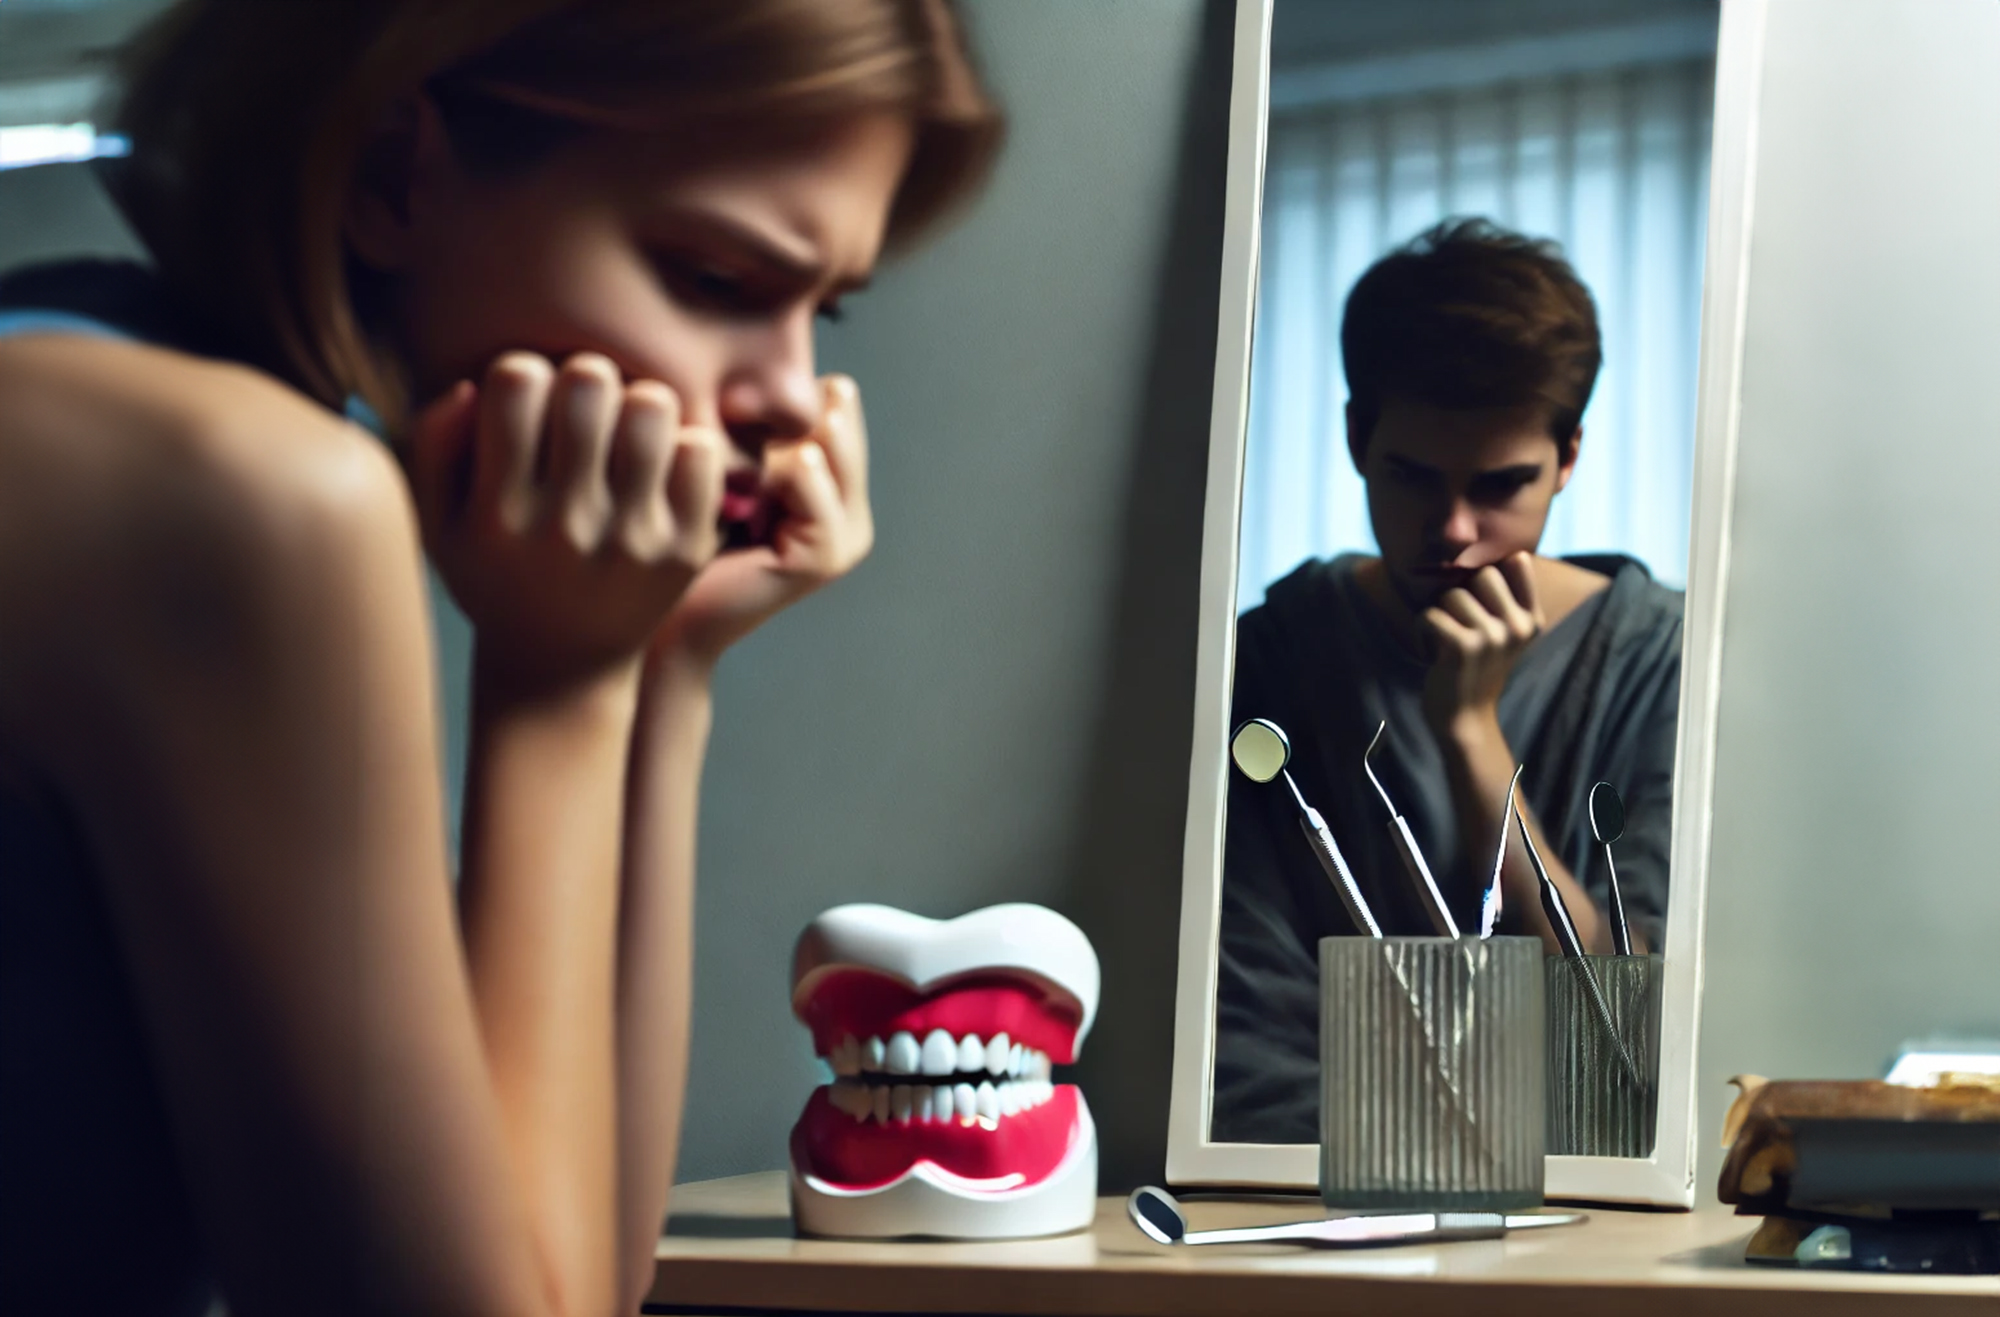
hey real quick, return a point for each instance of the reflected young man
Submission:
(1470, 355)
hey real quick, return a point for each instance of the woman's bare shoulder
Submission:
(127, 471)
(71, 404)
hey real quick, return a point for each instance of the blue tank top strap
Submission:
(117, 299)
(112, 298)
(56, 322)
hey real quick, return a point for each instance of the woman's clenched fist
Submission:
(566, 509)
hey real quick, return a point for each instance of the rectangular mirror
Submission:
(1468, 495)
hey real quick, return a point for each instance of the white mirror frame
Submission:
(1667, 1177)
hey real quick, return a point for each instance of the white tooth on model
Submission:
(922, 1097)
(904, 1058)
(900, 1103)
(873, 1054)
(1014, 1059)
(1010, 1099)
(971, 1054)
(995, 1060)
(879, 1104)
(989, 1102)
(940, 1054)
(964, 1102)
(847, 1058)
(1040, 1069)
(941, 1103)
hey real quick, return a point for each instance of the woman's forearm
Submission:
(539, 906)
(656, 950)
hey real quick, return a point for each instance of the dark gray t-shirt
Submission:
(1595, 699)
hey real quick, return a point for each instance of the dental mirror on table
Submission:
(1261, 750)
(1405, 843)
(1607, 824)
(1159, 1217)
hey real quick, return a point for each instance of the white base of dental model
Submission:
(930, 1202)
(901, 1007)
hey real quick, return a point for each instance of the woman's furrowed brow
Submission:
(793, 258)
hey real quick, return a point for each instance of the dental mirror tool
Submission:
(1159, 1217)
(1406, 846)
(1607, 824)
(1261, 750)
(1572, 948)
(1489, 904)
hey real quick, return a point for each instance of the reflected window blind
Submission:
(1610, 162)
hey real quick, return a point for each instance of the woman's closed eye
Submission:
(718, 290)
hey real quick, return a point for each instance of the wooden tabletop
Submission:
(730, 1246)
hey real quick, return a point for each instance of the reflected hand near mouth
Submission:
(817, 488)
(1478, 632)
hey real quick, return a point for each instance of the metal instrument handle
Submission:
(1420, 876)
(1320, 838)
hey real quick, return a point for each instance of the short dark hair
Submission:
(1469, 315)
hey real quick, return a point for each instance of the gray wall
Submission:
(51, 211)
(997, 706)
(1853, 898)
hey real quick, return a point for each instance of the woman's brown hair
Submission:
(1468, 315)
(248, 119)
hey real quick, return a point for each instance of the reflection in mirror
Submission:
(1465, 511)
(1260, 750)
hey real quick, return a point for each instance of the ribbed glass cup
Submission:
(1598, 1107)
(1432, 1069)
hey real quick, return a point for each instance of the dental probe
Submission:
(1572, 947)
(1489, 904)
(1406, 847)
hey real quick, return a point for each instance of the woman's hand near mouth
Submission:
(815, 492)
(567, 510)
(816, 488)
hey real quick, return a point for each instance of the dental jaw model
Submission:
(943, 1119)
